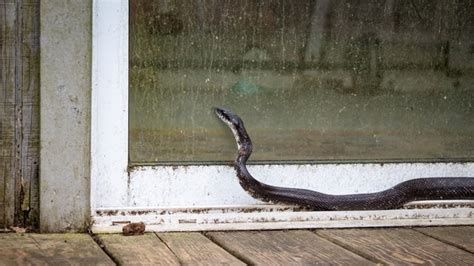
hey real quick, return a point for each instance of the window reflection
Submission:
(313, 80)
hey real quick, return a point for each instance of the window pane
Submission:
(313, 80)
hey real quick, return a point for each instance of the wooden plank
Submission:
(459, 236)
(7, 122)
(20, 249)
(19, 112)
(78, 249)
(28, 124)
(196, 249)
(137, 250)
(398, 246)
(284, 247)
(59, 249)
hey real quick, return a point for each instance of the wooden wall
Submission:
(19, 113)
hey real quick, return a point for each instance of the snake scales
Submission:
(434, 188)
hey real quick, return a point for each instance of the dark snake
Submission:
(432, 188)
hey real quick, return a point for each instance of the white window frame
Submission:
(183, 198)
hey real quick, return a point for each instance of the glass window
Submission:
(313, 80)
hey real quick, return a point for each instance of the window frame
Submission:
(160, 195)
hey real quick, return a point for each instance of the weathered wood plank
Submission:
(196, 249)
(59, 249)
(7, 110)
(19, 112)
(78, 249)
(398, 246)
(460, 236)
(28, 124)
(137, 250)
(20, 249)
(284, 247)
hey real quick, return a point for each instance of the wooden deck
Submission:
(430, 245)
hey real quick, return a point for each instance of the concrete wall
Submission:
(66, 46)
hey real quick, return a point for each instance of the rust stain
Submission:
(441, 205)
(160, 214)
(120, 222)
(109, 213)
(141, 212)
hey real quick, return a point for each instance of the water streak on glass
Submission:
(313, 80)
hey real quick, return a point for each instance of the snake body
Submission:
(432, 188)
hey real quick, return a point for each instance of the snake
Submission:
(425, 188)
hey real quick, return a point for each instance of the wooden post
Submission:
(19, 113)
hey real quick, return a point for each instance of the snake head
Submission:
(236, 124)
(231, 119)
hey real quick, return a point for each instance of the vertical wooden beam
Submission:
(28, 99)
(18, 117)
(19, 112)
(7, 125)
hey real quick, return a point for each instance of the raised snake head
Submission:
(236, 124)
